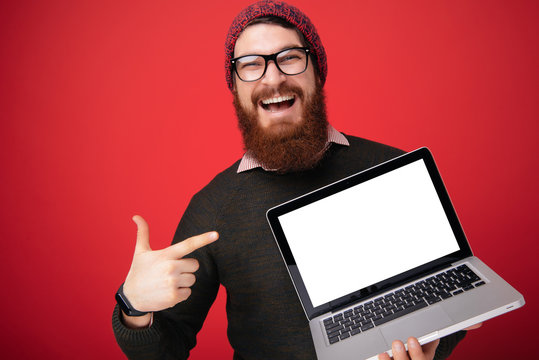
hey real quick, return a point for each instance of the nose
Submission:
(273, 75)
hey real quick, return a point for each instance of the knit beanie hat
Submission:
(282, 10)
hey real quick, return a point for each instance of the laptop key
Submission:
(335, 329)
(370, 316)
(332, 335)
(368, 326)
(333, 340)
(331, 326)
(446, 296)
(347, 322)
(433, 300)
(366, 322)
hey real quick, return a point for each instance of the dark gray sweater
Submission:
(265, 318)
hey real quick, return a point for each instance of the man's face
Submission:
(267, 39)
(289, 132)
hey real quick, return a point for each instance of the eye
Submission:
(250, 63)
(290, 56)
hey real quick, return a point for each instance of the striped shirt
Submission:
(249, 162)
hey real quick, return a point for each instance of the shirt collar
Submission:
(249, 162)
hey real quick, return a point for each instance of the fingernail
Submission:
(213, 235)
(413, 343)
(398, 346)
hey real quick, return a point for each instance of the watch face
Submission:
(125, 305)
(120, 300)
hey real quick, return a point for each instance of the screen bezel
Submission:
(374, 289)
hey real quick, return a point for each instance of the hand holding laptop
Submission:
(415, 350)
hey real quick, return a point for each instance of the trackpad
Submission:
(417, 324)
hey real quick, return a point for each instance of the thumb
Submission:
(143, 235)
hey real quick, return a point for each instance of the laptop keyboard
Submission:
(401, 302)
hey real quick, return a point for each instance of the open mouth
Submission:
(279, 103)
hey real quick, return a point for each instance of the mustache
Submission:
(283, 89)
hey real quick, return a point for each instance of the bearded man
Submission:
(276, 69)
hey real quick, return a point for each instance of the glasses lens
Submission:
(292, 61)
(250, 68)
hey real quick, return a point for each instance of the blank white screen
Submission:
(368, 233)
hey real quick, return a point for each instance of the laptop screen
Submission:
(367, 233)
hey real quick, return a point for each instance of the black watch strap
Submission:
(125, 305)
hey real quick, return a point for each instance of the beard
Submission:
(290, 147)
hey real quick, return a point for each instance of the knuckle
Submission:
(187, 280)
(170, 268)
(173, 298)
(191, 279)
(170, 282)
(184, 293)
(189, 265)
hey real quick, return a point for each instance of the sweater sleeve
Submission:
(173, 332)
(448, 344)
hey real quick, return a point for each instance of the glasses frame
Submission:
(273, 57)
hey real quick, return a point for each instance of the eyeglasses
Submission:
(292, 61)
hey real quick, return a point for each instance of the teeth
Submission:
(277, 99)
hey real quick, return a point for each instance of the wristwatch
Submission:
(125, 305)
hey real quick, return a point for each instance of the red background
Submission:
(112, 108)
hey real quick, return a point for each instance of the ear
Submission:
(317, 79)
(314, 65)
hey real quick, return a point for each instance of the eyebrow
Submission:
(288, 46)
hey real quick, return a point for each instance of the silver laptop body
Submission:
(380, 256)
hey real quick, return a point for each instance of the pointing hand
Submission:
(159, 279)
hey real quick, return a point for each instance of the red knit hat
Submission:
(282, 10)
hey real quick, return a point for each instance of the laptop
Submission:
(381, 256)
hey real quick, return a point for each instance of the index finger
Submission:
(187, 246)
